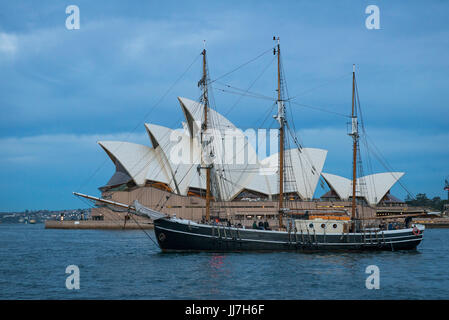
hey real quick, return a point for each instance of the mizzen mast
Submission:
(355, 136)
(280, 117)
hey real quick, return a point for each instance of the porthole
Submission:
(323, 225)
(311, 225)
(162, 237)
(334, 225)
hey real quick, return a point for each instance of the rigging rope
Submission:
(244, 94)
(320, 109)
(320, 86)
(242, 65)
(118, 220)
(144, 231)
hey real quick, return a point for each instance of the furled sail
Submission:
(152, 214)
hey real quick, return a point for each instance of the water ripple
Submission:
(126, 265)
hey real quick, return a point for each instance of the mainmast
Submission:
(281, 119)
(355, 136)
(203, 83)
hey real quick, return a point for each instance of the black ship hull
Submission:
(174, 235)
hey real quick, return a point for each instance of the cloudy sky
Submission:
(63, 90)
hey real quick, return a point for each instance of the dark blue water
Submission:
(127, 265)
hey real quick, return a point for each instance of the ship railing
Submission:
(219, 231)
(373, 236)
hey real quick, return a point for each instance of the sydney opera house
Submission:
(167, 175)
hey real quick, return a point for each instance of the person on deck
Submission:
(408, 220)
(266, 225)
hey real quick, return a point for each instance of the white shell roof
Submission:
(194, 110)
(182, 168)
(306, 166)
(238, 173)
(341, 185)
(372, 187)
(377, 185)
(161, 163)
(138, 160)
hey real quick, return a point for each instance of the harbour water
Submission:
(127, 265)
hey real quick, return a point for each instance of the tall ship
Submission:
(229, 196)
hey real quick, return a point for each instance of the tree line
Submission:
(421, 200)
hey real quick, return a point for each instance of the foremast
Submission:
(205, 164)
(280, 117)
